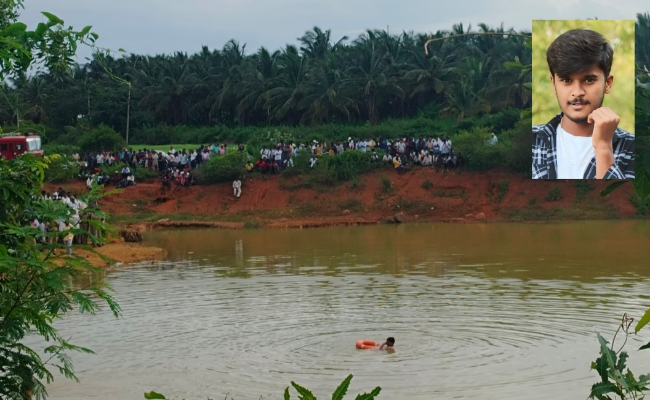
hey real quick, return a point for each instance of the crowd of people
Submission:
(174, 166)
(433, 151)
(78, 218)
(178, 166)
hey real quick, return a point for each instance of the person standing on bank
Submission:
(583, 141)
(236, 187)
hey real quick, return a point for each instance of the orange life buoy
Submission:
(367, 344)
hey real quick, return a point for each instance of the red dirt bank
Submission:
(453, 196)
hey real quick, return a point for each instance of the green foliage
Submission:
(615, 381)
(386, 184)
(502, 189)
(478, 154)
(582, 188)
(339, 393)
(359, 92)
(36, 280)
(225, 168)
(642, 322)
(61, 169)
(554, 194)
(140, 174)
(153, 395)
(351, 204)
(611, 187)
(101, 138)
(165, 134)
(65, 150)
(356, 184)
(306, 394)
(514, 145)
(426, 185)
(330, 170)
(51, 44)
(642, 205)
(532, 201)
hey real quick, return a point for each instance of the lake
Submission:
(478, 311)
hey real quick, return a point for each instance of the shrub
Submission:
(224, 168)
(101, 138)
(386, 184)
(554, 194)
(582, 188)
(642, 205)
(357, 184)
(515, 145)
(426, 185)
(532, 201)
(502, 189)
(61, 169)
(351, 204)
(140, 174)
(479, 155)
(66, 150)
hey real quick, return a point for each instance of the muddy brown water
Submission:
(481, 311)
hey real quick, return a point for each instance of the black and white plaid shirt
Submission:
(545, 153)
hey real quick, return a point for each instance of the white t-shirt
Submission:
(580, 149)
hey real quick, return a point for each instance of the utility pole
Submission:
(128, 112)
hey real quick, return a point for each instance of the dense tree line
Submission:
(373, 77)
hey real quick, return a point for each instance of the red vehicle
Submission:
(13, 145)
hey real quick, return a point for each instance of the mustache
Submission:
(578, 101)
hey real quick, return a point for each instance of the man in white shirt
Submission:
(583, 141)
(236, 187)
(277, 156)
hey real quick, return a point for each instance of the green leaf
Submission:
(287, 396)
(642, 322)
(14, 29)
(85, 30)
(645, 346)
(369, 396)
(153, 395)
(304, 393)
(53, 18)
(94, 35)
(601, 388)
(121, 50)
(342, 389)
(611, 187)
(642, 177)
(621, 361)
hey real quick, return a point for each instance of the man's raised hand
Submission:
(605, 123)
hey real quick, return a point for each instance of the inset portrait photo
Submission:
(583, 99)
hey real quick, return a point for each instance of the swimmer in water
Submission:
(388, 345)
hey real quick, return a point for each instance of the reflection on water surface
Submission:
(493, 311)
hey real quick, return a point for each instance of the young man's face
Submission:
(581, 93)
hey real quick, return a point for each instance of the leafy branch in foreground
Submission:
(37, 280)
(339, 393)
(615, 381)
(303, 393)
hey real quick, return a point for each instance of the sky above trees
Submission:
(154, 27)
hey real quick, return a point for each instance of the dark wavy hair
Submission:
(577, 50)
